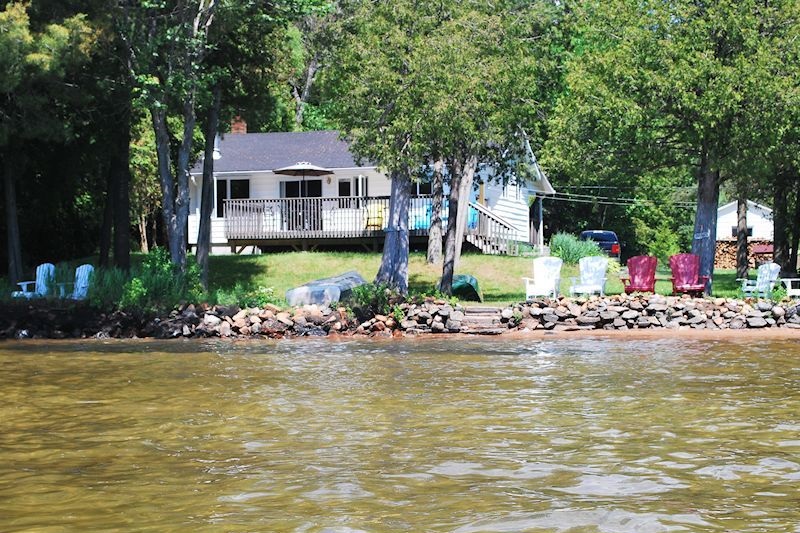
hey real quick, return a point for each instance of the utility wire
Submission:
(613, 201)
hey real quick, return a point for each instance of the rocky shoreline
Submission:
(609, 313)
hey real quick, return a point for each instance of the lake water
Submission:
(564, 435)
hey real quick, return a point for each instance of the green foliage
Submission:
(157, 286)
(373, 299)
(571, 249)
(248, 296)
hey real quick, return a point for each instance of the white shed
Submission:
(759, 221)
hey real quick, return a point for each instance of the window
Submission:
(301, 189)
(233, 189)
(356, 186)
(735, 231)
(422, 188)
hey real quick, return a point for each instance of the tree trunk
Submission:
(705, 223)
(795, 229)
(120, 166)
(207, 188)
(142, 226)
(742, 262)
(182, 195)
(394, 262)
(460, 187)
(301, 97)
(166, 178)
(107, 228)
(13, 166)
(435, 231)
(780, 219)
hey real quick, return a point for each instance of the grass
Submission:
(499, 276)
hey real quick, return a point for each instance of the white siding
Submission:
(511, 203)
(758, 217)
(267, 185)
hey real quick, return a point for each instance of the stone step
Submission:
(479, 310)
(481, 320)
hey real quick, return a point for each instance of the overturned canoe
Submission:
(466, 287)
(324, 291)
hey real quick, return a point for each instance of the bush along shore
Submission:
(431, 316)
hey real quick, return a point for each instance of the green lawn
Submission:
(499, 276)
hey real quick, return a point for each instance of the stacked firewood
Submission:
(756, 253)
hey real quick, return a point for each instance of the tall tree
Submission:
(658, 85)
(34, 65)
(167, 42)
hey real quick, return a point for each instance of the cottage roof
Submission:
(249, 152)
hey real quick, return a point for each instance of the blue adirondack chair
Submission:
(40, 287)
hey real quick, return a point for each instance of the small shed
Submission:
(759, 221)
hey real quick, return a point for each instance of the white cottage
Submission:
(759, 221)
(257, 206)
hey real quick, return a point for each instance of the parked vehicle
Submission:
(607, 240)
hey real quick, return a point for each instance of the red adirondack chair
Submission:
(686, 276)
(641, 274)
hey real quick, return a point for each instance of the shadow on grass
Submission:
(225, 274)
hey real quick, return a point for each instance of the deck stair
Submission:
(492, 235)
(482, 321)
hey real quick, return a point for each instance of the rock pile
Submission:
(644, 312)
(271, 321)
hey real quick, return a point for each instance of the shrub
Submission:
(571, 249)
(373, 299)
(157, 286)
(248, 296)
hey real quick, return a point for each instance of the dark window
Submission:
(222, 194)
(291, 189)
(313, 189)
(735, 231)
(240, 189)
(424, 188)
(344, 188)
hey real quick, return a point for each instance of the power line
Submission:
(621, 202)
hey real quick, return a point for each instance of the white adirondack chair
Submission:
(592, 276)
(81, 286)
(546, 278)
(766, 279)
(45, 274)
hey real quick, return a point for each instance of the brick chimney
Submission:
(238, 125)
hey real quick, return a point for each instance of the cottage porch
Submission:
(306, 223)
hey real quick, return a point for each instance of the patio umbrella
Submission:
(303, 169)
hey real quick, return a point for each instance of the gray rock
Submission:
(756, 322)
(211, 321)
(764, 306)
(224, 329)
(630, 315)
(457, 316)
(778, 311)
(453, 325)
(738, 323)
(584, 320)
(507, 313)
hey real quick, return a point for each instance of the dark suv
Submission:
(607, 240)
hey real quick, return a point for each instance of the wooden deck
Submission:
(305, 223)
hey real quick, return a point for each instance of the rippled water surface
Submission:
(566, 435)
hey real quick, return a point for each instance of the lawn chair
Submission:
(765, 281)
(686, 276)
(546, 278)
(592, 276)
(80, 287)
(45, 274)
(376, 215)
(641, 274)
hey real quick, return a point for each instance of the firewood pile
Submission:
(758, 251)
